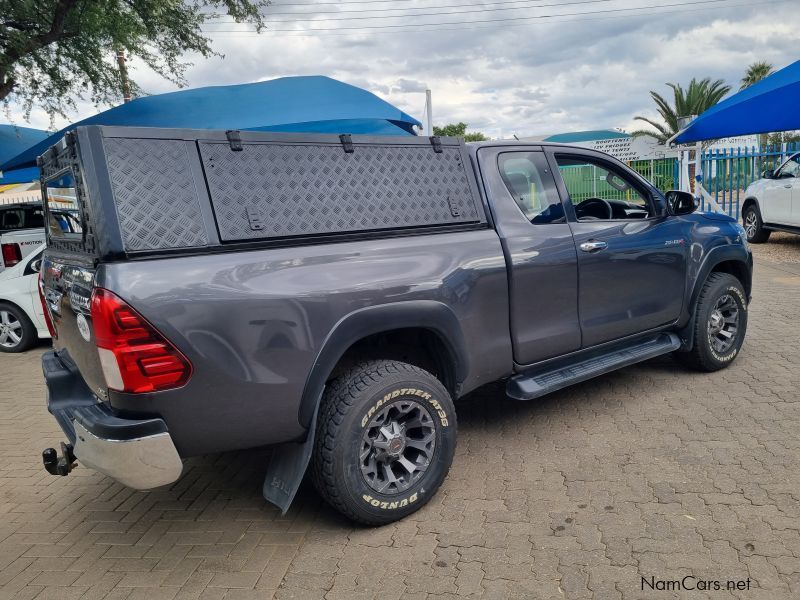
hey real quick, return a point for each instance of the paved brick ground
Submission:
(650, 471)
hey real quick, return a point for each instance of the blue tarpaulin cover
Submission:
(767, 106)
(313, 104)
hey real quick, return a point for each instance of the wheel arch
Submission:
(732, 259)
(388, 329)
(748, 202)
(738, 269)
(11, 303)
(289, 461)
(735, 261)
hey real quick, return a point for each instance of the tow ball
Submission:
(59, 465)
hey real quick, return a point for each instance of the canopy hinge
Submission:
(436, 142)
(234, 139)
(347, 143)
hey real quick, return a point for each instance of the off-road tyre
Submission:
(21, 326)
(376, 390)
(704, 356)
(753, 225)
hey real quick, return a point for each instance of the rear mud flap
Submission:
(286, 469)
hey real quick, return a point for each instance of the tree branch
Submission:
(55, 33)
(7, 86)
(57, 24)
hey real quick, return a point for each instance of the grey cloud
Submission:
(404, 86)
(542, 77)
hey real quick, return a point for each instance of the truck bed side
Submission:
(253, 323)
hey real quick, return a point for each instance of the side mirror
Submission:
(36, 265)
(680, 203)
(768, 174)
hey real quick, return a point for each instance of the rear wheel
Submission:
(385, 439)
(17, 333)
(753, 226)
(720, 324)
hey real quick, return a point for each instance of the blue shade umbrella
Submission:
(14, 140)
(767, 106)
(23, 175)
(313, 104)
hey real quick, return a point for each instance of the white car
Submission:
(773, 202)
(21, 317)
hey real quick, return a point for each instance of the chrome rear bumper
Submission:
(141, 463)
(139, 453)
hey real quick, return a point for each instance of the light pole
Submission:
(123, 76)
(428, 113)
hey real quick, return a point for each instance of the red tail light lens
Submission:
(47, 319)
(11, 254)
(135, 357)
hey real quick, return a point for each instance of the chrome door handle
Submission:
(788, 185)
(593, 246)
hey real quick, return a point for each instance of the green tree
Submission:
(756, 72)
(694, 100)
(458, 130)
(776, 139)
(53, 52)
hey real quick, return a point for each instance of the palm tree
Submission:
(756, 72)
(694, 100)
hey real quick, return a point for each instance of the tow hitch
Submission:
(59, 465)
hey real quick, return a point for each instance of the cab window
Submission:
(598, 191)
(530, 182)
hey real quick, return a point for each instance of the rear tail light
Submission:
(134, 356)
(11, 254)
(47, 318)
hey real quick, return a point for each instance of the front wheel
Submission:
(386, 434)
(753, 226)
(720, 324)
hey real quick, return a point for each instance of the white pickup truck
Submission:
(22, 230)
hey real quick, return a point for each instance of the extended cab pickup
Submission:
(334, 295)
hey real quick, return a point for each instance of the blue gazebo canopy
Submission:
(313, 104)
(767, 106)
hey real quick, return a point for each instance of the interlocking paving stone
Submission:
(648, 471)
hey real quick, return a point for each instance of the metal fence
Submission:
(587, 181)
(663, 173)
(727, 173)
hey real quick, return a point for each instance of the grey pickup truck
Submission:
(334, 295)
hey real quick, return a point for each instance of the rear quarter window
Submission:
(11, 218)
(63, 208)
(21, 217)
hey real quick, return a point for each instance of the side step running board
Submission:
(528, 386)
